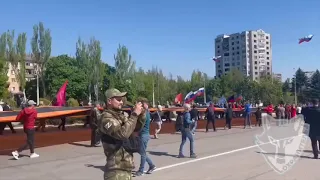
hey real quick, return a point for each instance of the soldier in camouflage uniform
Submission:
(119, 126)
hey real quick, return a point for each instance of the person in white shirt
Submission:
(299, 109)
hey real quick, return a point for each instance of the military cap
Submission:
(110, 93)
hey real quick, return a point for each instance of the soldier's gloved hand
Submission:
(138, 108)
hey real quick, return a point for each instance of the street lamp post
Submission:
(295, 88)
(38, 92)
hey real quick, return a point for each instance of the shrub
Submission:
(46, 102)
(72, 102)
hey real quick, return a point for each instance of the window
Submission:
(233, 64)
(267, 37)
(255, 67)
(267, 57)
(255, 73)
(254, 35)
(227, 64)
(267, 52)
(238, 63)
(255, 41)
(268, 63)
(255, 62)
(13, 80)
(226, 54)
(255, 51)
(267, 42)
(255, 46)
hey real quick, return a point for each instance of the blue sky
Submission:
(177, 36)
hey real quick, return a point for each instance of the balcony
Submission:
(30, 75)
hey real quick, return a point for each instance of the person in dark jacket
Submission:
(3, 125)
(94, 118)
(186, 132)
(311, 115)
(258, 114)
(28, 115)
(229, 115)
(195, 117)
(179, 119)
(210, 117)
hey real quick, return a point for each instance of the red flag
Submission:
(178, 98)
(61, 95)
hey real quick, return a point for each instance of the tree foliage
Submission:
(62, 68)
(89, 76)
(41, 50)
(3, 65)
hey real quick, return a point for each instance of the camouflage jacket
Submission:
(119, 126)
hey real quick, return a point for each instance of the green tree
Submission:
(21, 58)
(314, 91)
(125, 69)
(41, 51)
(96, 67)
(3, 66)
(62, 68)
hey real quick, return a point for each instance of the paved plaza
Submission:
(222, 155)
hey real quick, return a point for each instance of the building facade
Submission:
(277, 76)
(249, 52)
(14, 86)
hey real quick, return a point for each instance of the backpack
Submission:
(132, 144)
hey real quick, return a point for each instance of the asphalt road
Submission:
(225, 154)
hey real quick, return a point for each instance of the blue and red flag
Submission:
(305, 39)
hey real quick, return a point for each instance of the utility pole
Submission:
(295, 87)
(153, 102)
(38, 91)
(204, 94)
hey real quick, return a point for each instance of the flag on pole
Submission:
(216, 59)
(61, 95)
(306, 39)
(178, 98)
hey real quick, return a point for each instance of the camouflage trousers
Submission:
(117, 175)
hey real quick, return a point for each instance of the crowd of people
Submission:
(122, 134)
